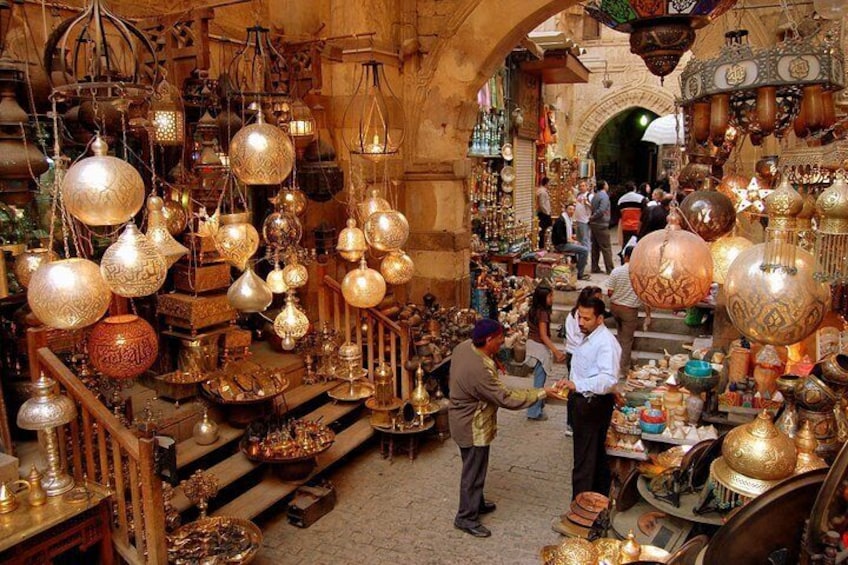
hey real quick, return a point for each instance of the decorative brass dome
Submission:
(759, 450)
(806, 444)
(832, 206)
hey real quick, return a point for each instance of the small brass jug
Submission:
(8, 500)
(37, 496)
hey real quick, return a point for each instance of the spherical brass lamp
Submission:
(352, 244)
(724, 251)
(291, 323)
(249, 293)
(671, 268)
(29, 261)
(708, 213)
(397, 267)
(123, 347)
(276, 281)
(386, 230)
(68, 294)
(44, 412)
(776, 307)
(372, 203)
(291, 200)
(281, 230)
(731, 185)
(363, 287)
(295, 275)
(261, 153)
(132, 266)
(102, 190)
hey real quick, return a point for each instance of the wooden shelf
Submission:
(669, 440)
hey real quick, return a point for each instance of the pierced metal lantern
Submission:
(132, 266)
(386, 230)
(236, 239)
(68, 294)
(261, 153)
(397, 267)
(363, 287)
(708, 213)
(123, 347)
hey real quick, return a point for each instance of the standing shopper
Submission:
(624, 305)
(543, 209)
(582, 211)
(574, 337)
(599, 225)
(541, 351)
(476, 392)
(594, 373)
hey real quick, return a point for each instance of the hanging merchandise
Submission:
(386, 230)
(397, 267)
(261, 154)
(122, 347)
(249, 293)
(68, 294)
(831, 246)
(132, 266)
(236, 239)
(373, 120)
(29, 261)
(291, 323)
(352, 244)
(158, 234)
(363, 287)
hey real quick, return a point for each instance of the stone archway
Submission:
(597, 115)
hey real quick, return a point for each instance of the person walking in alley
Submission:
(599, 226)
(541, 351)
(624, 305)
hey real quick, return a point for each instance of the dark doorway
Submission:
(619, 153)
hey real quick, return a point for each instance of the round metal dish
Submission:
(352, 391)
(673, 457)
(218, 539)
(695, 384)
(184, 378)
(592, 502)
(243, 445)
(253, 398)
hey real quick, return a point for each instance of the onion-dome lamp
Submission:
(158, 234)
(660, 32)
(831, 247)
(374, 123)
(249, 293)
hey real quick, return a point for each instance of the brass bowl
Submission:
(573, 551)
(813, 394)
(788, 385)
(218, 539)
(834, 369)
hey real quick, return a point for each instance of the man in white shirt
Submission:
(624, 305)
(543, 210)
(582, 211)
(594, 374)
(565, 240)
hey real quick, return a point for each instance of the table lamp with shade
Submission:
(44, 412)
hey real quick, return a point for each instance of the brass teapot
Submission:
(8, 499)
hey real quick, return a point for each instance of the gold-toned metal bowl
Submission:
(736, 482)
(215, 539)
(673, 457)
(573, 551)
(759, 450)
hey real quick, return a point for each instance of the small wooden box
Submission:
(201, 278)
(194, 312)
(310, 503)
(202, 250)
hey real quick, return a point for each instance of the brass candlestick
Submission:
(199, 488)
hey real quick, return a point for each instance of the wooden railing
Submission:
(384, 340)
(99, 448)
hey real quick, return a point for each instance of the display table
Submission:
(391, 438)
(687, 502)
(38, 534)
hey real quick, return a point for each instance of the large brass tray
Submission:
(215, 539)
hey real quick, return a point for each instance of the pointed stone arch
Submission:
(597, 115)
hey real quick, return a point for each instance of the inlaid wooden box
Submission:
(194, 312)
(201, 278)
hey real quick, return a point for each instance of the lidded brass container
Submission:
(806, 444)
(759, 450)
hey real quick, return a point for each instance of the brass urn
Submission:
(205, 431)
(806, 444)
(420, 398)
(759, 450)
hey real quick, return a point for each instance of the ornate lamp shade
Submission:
(730, 184)
(363, 287)
(68, 294)
(158, 233)
(386, 230)
(236, 240)
(373, 120)
(295, 275)
(724, 251)
(397, 267)
(372, 203)
(168, 116)
(276, 281)
(775, 307)
(282, 230)
(249, 293)
(292, 201)
(45, 410)
(132, 266)
(301, 124)
(660, 32)
(102, 190)
(291, 323)
(207, 226)
(352, 244)
(708, 213)
(29, 261)
(759, 450)
(122, 347)
(261, 153)
(671, 269)
(831, 247)
(176, 217)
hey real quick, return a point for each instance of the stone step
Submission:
(273, 489)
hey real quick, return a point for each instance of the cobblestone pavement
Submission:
(402, 511)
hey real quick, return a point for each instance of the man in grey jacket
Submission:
(599, 226)
(476, 392)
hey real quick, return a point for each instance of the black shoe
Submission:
(487, 507)
(478, 531)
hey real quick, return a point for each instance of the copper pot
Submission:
(815, 395)
(834, 369)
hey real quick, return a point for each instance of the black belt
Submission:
(589, 396)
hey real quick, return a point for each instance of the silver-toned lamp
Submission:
(44, 412)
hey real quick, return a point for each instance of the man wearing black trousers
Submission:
(476, 392)
(594, 373)
(543, 210)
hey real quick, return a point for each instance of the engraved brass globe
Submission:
(176, 217)
(291, 200)
(68, 294)
(261, 153)
(276, 281)
(363, 287)
(29, 261)
(102, 190)
(295, 275)
(397, 267)
(123, 347)
(291, 322)
(132, 266)
(775, 307)
(249, 293)
(158, 233)
(372, 203)
(759, 450)
(386, 230)
(352, 244)
(236, 239)
(671, 268)
(282, 230)
(708, 213)
(724, 251)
